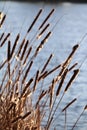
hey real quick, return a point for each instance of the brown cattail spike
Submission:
(67, 62)
(46, 38)
(15, 43)
(36, 80)
(61, 82)
(24, 50)
(51, 71)
(72, 79)
(9, 49)
(73, 66)
(42, 75)
(27, 114)
(45, 28)
(69, 104)
(2, 35)
(85, 108)
(27, 86)
(50, 57)
(29, 51)
(48, 16)
(41, 44)
(5, 39)
(26, 73)
(52, 92)
(3, 19)
(20, 48)
(37, 16)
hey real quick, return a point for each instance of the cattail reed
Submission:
(5, 39)
(27, 71)
(16, 119)
(43, 31)
(27, 114)
(51, 71)
(42, 44)
(48, 16)
(3, 19)
(67, 62)
(69, 104)
(21, 46)
(72, 79)
(24, 50)
(73, 66)
(27, 85)
(43, 93)
(85, 108)
(42, 75)
(27, 100)
(15, 44)
(2, 64)
(50, 57)
(37, 16)
(52, 92)
(9, 49)
(8, 59)
(61, 82)
(36, 80)
(1, 15)
(2, 35)
(27, 55)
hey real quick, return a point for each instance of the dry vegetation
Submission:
(20, 107)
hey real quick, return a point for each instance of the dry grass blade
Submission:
(71, 79)
(43, 93)
(49, 123)
(24, 50)
(44, 67)
(43, 31)
(48, 16)
(77, 120)
(61, 82)
(3, 19)
(69, 104)
(15, 44)
(37, 16)
(36, 80)
(5, 39)
(2, 35)
(27, 71)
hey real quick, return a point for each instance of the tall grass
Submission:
(25, 104)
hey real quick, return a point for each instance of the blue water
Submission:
(67, 32)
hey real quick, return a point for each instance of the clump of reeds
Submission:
(25, 104)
